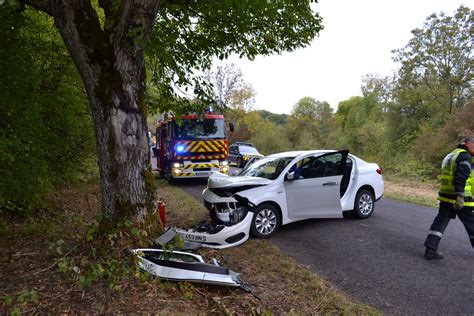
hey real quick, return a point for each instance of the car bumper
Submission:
(228, 236)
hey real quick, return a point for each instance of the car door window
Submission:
(301, 168)
(318, 167)
(327, 166)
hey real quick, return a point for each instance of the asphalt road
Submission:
(379, 261)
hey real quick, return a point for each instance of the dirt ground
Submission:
(36, 250)
(412, 191)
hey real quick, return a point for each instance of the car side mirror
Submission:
(290, 176)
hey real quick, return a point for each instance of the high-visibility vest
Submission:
(448, 168)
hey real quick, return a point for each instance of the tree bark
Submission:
(110, 60)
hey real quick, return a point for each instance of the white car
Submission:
(288, 187)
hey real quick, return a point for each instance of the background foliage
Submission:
(189, 36)
(46, 136)
(406, 122)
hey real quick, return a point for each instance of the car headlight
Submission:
(223, 163)
(177, 165)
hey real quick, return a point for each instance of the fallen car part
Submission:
(166, 237)
(169, 235)
(184, 266)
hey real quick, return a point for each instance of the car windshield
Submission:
(248, 150)
(200, 128)
(268, 168)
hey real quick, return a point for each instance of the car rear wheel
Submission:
(266, 221)
(364, 204)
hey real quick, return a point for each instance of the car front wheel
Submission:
(364, 204)
(266, 221)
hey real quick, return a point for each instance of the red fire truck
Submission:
(194, 147)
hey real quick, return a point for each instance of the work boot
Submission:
(433, 254)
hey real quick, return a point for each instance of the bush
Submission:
(46, 135)
(433, 144)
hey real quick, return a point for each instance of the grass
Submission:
(182, 210)
(35, 250)
(422, 193)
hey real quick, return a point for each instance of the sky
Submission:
(357, 39)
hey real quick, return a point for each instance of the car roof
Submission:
(300, 153)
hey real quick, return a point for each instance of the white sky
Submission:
(357, 39)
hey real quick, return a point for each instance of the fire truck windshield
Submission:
(199, 129)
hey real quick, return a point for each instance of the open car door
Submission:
(312, 186)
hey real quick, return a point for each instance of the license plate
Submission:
(191, 237)
(202, 173)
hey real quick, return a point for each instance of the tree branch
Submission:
(137, 14)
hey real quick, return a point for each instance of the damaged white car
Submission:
(284, 188)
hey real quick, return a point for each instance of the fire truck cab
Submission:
(193, 146)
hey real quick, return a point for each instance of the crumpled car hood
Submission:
(220, 180)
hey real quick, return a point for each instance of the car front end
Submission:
(232, 231)
(229, 201)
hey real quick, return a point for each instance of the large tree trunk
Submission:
(112, 68)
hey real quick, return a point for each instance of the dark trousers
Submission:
(445, 214)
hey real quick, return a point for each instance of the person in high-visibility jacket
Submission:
(455, 196)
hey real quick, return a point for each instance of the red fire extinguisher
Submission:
(161, 211)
